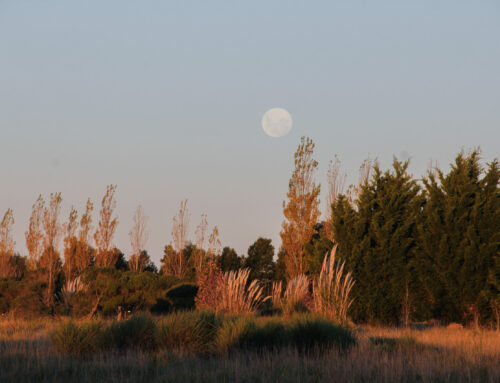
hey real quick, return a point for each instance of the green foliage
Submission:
(130, 290)
(316, 249)
(182, 296)
(280, 267)
(304, 333)
(229, 260)
(25, 297)
(201, 333)
(78, 339)
(138, 332)
(309, 334)
(260, 261)
(377, 238)
(190, 332)
(460, 239)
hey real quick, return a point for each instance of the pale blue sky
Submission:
(165, 98)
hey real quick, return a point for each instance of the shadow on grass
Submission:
(406, 343)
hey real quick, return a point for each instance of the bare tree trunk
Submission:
(406, 306)
(497, 315)
(179, 235)
(96, 306)
(336, 184)
(138, 238)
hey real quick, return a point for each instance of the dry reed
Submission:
(237, 296)
(332, 289)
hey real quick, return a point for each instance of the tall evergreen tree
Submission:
(376, 236)
(317, 247)
(459, 238)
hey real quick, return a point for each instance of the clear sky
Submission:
(165, 98)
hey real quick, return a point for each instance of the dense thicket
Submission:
(420, 252)
(459, 239)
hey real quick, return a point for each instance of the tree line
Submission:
(418, 249)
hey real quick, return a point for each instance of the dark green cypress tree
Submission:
(459, 239)
(316, 249)
(376, 236)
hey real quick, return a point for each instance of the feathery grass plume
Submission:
(332, 289)
(70, 288)
(236, 297)
(276, 297)
(296, 295)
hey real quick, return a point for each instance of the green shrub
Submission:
(232, 333)
(304, 333)
(138, 332)
(182, 296)
(189, 331)
(309, 333)
(77, 339)
(269, 335)
(201, 332)
(161, 306)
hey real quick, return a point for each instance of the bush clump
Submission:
(305, 333)
(138, 332)
(77, 339)
(202, 332)
(192, 332)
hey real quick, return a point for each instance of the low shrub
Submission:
(201, 332)
(310, 333)
(232, 333)
(190, 332)
(305, 333)
(268, 335)
(182, 296)
(138, 332)
(77, 339)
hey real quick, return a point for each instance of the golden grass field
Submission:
(381, 355)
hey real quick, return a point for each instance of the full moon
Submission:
(277, 122)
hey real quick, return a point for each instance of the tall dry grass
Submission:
(380, 355)
(296, 296)
(237, 296)
(331, 291)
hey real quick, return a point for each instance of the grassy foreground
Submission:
(29, 352)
